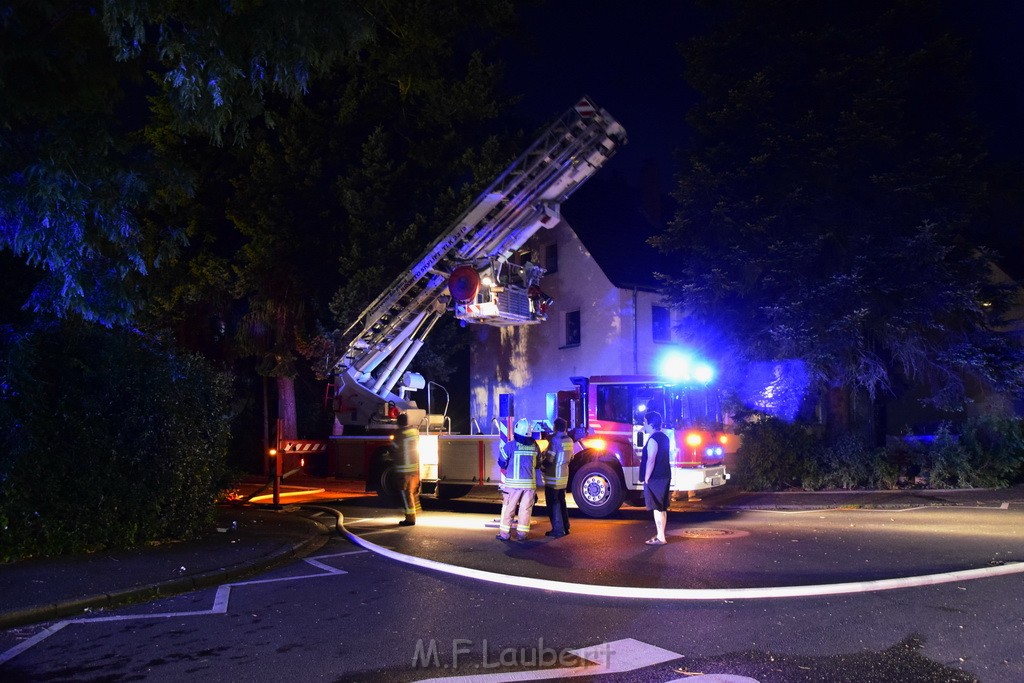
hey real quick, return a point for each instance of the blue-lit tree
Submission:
(75, 173)
(829, 204)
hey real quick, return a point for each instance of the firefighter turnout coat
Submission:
(407, 468)
(520, 486)
(556, 462)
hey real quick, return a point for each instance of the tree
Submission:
(75, 174)
(827, 209)
(343, 190)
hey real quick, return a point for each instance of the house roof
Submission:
(613, 220)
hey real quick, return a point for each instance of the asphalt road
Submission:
(351, 615)
(708, 550)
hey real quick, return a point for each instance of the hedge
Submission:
(982, 452)
(110, 440)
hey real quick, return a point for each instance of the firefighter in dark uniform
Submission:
(407, 468)
(556, 477)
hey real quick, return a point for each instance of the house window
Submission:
(572, 328)
(661, 324)
(551, 258)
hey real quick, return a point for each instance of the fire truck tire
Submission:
(597, 489)
(452, 491)
(382, 476)
(386, 486)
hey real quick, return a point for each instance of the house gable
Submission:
(532, 362)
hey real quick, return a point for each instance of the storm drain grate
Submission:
(710, 533)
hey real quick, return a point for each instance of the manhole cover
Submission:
(710, 533)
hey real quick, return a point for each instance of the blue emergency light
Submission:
(681, 367)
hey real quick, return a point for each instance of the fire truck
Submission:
(470, 271)
(609, 413)
(605, 413)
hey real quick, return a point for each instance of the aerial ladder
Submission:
(469, 270)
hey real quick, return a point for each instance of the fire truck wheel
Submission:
(452, 491)
(597, 489)
(383, 477)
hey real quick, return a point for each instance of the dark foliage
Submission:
(110, 440)
(830, 209)
(985, 452)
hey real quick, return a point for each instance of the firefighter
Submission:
(407, 468)
(555, 472)
(520, 482)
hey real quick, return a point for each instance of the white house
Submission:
(606, 319)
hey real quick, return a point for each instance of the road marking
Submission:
(1004, 506)
(220, 605)
(618, 656)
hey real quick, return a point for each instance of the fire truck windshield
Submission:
(681, 407)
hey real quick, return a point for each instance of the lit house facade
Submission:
(606, 319)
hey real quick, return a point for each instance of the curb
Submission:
(317, 538)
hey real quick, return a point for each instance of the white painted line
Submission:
(618, 656)
(1004, 506)
(331, 571)
(31, 642)
(347, 552)
(220, 605)
(326, 568)
(220, 601)
(691, 593)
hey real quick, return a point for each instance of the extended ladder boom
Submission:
(466, 269)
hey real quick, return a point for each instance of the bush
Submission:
(885, 472)
(843, 465)
(988, 453)
(110, 440)
(849, 464)
(773, 453)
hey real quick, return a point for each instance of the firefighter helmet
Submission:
(522, 427)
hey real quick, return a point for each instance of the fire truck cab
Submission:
(608, 414)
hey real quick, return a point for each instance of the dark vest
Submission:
(662, 464)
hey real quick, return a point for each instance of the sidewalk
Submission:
(253, 537)
(246, 540)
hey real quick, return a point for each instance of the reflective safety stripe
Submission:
(522, 467)
(556, 475)
(407, 457)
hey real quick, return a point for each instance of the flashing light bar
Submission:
(682, 367)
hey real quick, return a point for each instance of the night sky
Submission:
(624, 55)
